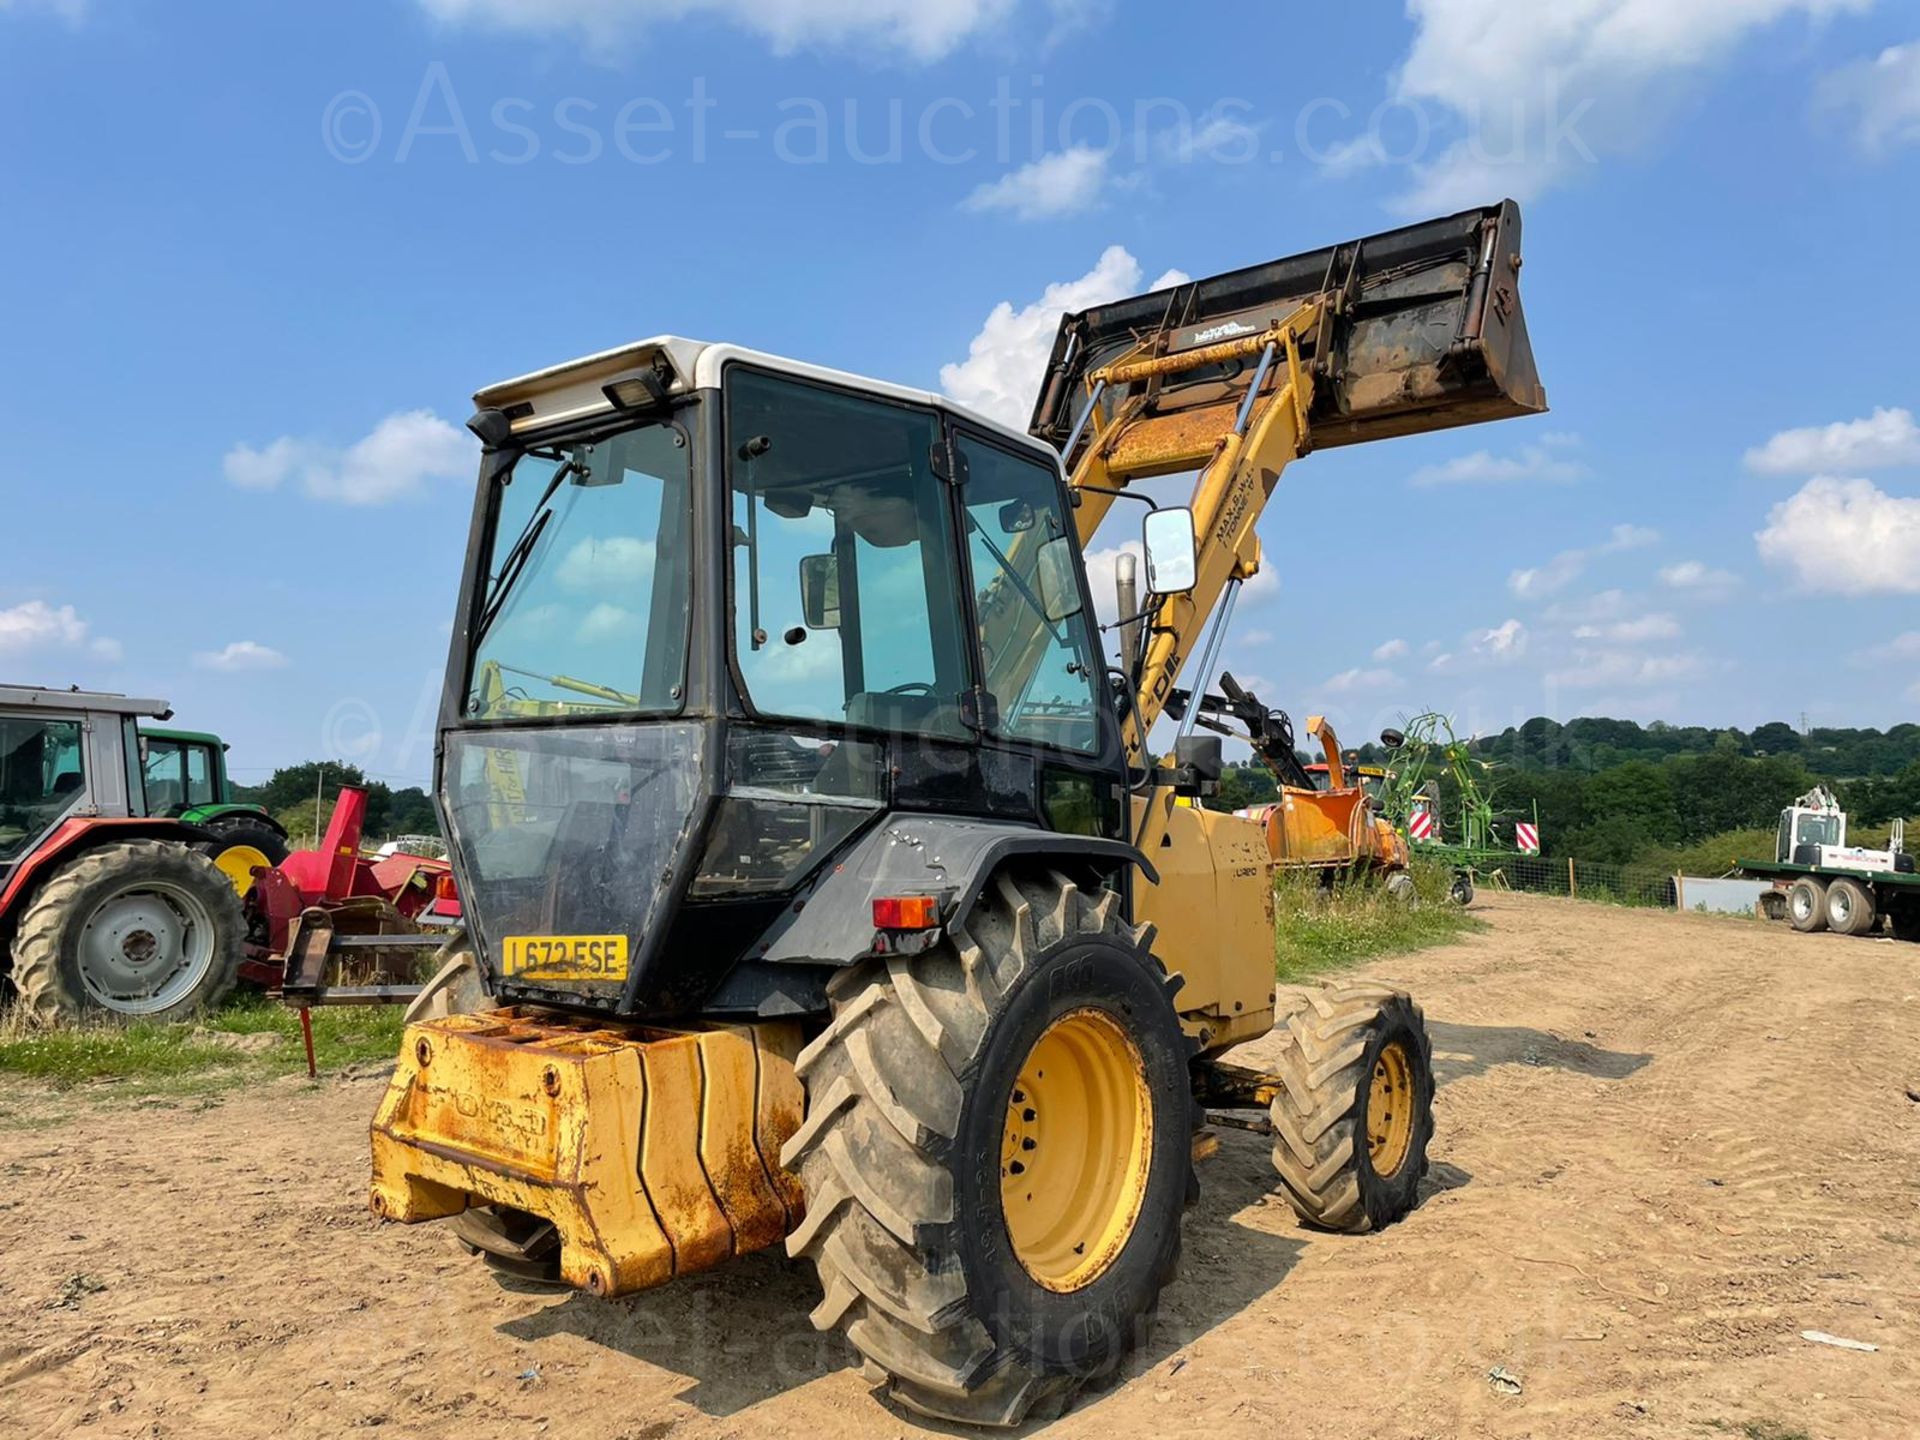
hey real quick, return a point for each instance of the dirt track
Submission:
(1667, 1145)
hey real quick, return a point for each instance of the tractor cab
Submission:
(724, 614)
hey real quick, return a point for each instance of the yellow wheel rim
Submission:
(1390, 1107)
(237, 863)
(1076, 1150)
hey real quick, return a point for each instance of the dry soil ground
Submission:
(1667, 1145)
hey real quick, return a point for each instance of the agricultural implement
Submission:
(815, 852)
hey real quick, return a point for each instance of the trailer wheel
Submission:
(1850, 908)
(142, 929)
(1807, 906)
(1461, 890)
(997, 1154)
(1354, 1116)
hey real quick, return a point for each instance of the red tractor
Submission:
(106, 907)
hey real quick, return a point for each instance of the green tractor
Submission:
(184, 773)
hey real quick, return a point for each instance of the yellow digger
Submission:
(827, 877)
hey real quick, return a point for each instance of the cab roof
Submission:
(76, 700)
(577, 389)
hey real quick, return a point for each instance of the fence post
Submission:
(1680, 893)
(1573, 889)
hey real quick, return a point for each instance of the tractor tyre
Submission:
(1850, 908)
(1354, 1114)
(997, 1152)
(240, 843)
(1807, 906)
(140, 929)
(1402, 889)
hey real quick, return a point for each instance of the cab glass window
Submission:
(1042, 671)
(41, 777)
(199, 775)
(844, 594)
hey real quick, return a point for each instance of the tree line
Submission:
(289, 796)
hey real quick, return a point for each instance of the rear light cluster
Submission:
(906, 912)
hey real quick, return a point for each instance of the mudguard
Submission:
(947, 857)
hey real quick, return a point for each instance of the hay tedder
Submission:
(827, 875)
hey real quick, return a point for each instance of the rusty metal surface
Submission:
(646, 1147)
(1425, 332)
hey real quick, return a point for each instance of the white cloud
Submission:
(1637, 631)
(1901, 647)
(1536, 464)
(1542, 91)
(610, 622)
(1881, 96)
(1504, 642)
(1349, 681)
(1216, 136)
(239, 656)
(396, 461)
(1547, 579)
(1569, 565)
(921, 30)
(1847, 537)
(1695, 577)
(1599, 669)
(1886, 439)
(1005, 361)
(1064, 183)
(1391, 650)
(33, 626)
(600, 564)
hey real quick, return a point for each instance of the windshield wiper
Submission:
(516, 558)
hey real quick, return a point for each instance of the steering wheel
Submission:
(912, 687)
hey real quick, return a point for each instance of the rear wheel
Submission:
(1807, 906)
(1354, 1114)
(1850, 908)
(997, 1153)
(143, 929)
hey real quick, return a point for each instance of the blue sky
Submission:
(256, 258)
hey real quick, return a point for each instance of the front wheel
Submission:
(143, 929)
(1354, 1112)
(241, 845)
(997, 1154)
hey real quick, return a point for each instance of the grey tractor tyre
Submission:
(1807, 906)
(1401, 887)
(251, 830)
(46, 977)
(1330, 1038)
(890, 1085)
(1850, 908)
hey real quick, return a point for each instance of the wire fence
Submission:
(1582, 880)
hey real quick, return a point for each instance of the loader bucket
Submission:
(1425, 333)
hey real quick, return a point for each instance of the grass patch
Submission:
(248, 1039)
(1318, 930)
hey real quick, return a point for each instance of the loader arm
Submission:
(1236, 376)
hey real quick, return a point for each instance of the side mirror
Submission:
(820, 591)
(1016, 517)
(1168, 540)
(1059, 589)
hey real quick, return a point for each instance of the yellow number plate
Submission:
(566, 957)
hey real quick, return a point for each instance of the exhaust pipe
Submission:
(1126, 585)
